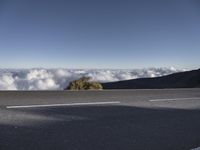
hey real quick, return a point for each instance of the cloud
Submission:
(58, 79)
(7, 82)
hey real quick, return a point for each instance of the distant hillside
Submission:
(188, 79)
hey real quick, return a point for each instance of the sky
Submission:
(123, 34)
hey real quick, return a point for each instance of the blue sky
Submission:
(99, 33)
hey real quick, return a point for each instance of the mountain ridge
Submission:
(187, 79)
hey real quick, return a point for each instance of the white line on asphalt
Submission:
(175, 99)
(198, 148)
(69, 104)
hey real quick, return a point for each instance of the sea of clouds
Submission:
(58, 79)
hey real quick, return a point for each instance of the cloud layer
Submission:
(58, 79)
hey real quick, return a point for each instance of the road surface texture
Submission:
(166, 119)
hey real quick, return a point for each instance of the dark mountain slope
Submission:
(188, 79)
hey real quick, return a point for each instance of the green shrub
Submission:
(84, 83)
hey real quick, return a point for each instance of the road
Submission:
(167, 119)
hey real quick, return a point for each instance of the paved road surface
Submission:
(100, 120)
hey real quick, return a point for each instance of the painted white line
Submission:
(69, 104)
(175, 99)
(198, 148)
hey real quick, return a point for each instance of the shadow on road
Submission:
(103, 128)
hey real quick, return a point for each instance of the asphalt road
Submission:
(100, 120)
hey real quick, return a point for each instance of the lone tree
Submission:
(84, 83)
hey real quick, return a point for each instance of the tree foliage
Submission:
(84, 83)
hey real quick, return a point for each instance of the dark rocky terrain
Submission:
(188, 79)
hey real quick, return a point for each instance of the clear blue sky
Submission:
(99, 33)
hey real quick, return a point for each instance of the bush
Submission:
(84, 83)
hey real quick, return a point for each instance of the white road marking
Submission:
(175, 99)
(198, 148)
(69, 104)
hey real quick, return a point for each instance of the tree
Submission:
(84, 83)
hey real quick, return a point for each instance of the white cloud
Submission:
(58, 79)
(7, 82)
